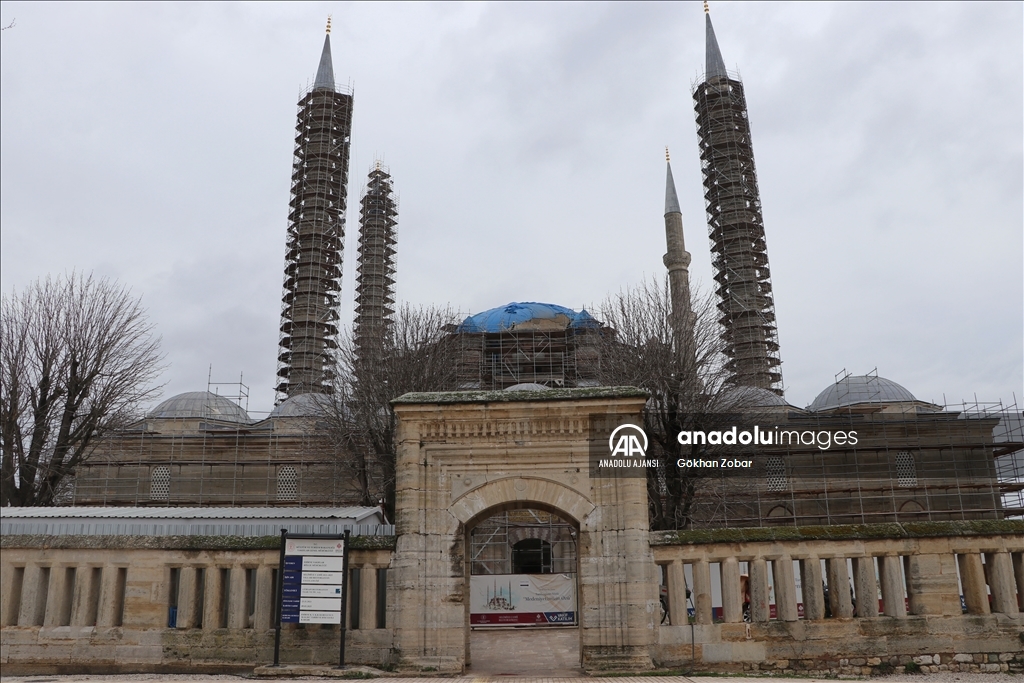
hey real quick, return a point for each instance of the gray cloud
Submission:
(152, 143)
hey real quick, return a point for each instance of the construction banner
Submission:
(522, 599)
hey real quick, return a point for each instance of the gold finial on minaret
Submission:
(329, 21)
(666, 154)
(707, 10)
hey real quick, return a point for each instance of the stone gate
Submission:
(464, 456)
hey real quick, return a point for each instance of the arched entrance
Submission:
(522, 593)
(465, 457)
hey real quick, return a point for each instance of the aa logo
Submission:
(629, 441)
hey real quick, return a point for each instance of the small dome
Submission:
(752, 397)
(200, 404)
(303, 405)
(528, 386)
(860, 389)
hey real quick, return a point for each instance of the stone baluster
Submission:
(810, 588)
(188, 596)
(264, 599)
(12, 583)
(1018, 577)
(732, 595)
(785, 589)
(111, 597)
(702, 591)
(87, 589)
(368, 597)
(55, 597)
(1004, 594)
(839, 588)
(893, 601)
(759, 608)
(213, 599)
(237, 616)
(676, 593)
(33, 597)
(972, 575)
(866, 585)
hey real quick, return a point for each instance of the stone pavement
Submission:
(943, 677)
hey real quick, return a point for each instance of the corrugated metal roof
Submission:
(40, 527)
(354, 513)
(170, 521)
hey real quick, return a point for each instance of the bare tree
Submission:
(419, 353)
(77, 359)
(680, 362)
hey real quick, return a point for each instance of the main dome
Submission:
(200, 404)
(527, 315)
(860, 389)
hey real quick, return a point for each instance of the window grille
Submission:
(906, 470)
(287, 483)
(160, 483)
(775, 474)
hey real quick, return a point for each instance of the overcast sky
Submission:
(152, 143)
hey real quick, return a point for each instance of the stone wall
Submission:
(919, 571)
(108, 604)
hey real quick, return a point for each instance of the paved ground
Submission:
(531, 651)
(198, 678)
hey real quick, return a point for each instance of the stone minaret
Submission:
(375, 281)
(316, 234)
(735, 225)
(677, 260)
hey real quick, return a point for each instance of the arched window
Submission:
(287, 483)
(160, 483)
(906, 470)
(775, 474)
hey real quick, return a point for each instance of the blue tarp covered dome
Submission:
(510, 316)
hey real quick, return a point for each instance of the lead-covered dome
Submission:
(303, 405)
(860, 389)
(202, 405)
(752, 397)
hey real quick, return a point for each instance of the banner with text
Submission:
(522, 599)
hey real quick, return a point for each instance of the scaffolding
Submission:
(214, 457)
(736, 230)
(375, 281)
(912, 462)
(508, 541)
(316, 240)
(556, 356)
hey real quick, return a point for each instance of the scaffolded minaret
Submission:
(375, 283)
(735, 225)
(677, 260)
(316, 234)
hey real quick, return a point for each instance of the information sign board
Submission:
(312, 586)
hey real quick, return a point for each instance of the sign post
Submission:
(311, 583)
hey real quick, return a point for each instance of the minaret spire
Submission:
(316, 236)
(325, 72)
(738, 249)
(677, 261)
(714, 65)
